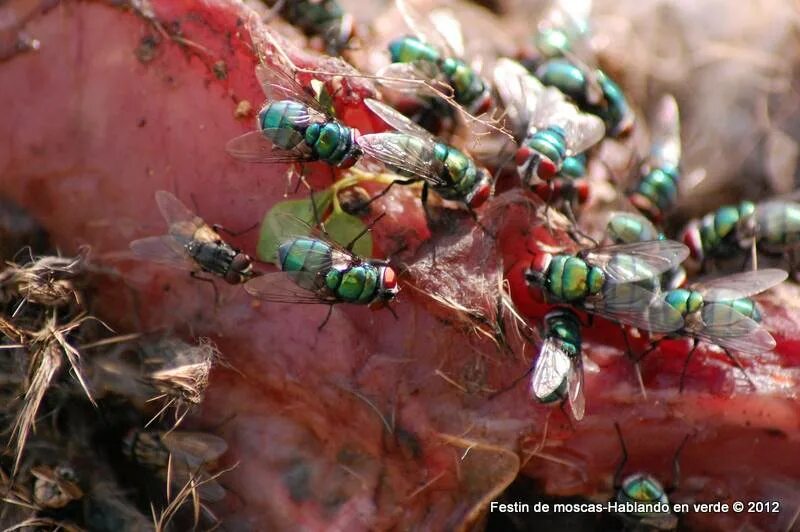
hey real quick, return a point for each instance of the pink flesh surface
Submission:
(355, 427)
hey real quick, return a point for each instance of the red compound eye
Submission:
(523, 154)
(582, 187)
(691, 237)
(481, 195)
(389, 279)
(546, 169)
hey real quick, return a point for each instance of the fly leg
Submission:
(676, 468)
(738, 364)
(327, 317)
(635, 361)
(695, 343)
(220, 228)
(196, 275)
(512, 385)
(576, 230)
(349, 246)
(401, 182)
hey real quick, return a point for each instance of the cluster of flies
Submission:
(61, 373)
(556, 107)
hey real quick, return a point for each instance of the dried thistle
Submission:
(55, 487)
(45, 281)
(46, 348)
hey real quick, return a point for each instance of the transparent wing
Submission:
(278, 84)
(183, 223)
(627, 263)
(255, 147)
(194, 448)
(286, 226)
(577, 399)
(405, 154)
(413, 78)
(449, 28)
(666, 133)
(552, 367)
(519, 92)
(209, 489)
(741, 285)
(164, 250)
(634, 305)
(724, 326)
(427, 31)
(283, 287)
(582, 130)
(396, 120)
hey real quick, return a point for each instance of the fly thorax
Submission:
(642, 488)
(568, 278)
(331, 141)
(718, 231)
(684, 301)
(574, 166)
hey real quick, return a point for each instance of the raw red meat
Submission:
(371, 423)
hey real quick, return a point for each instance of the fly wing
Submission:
(577, 399)
(396, 120)
(256, 147)
(405, 154)
(418, 78)
(279, 84)
(627, 263)
(552, 367)
(582, 130)
(741, 285)
(164, 250)
(448, 28)
(183, 223)
(634, 305)
(666, 133)
(208, 488)
(427, 31)
(284, 287)
(726, 327)
(519, 92)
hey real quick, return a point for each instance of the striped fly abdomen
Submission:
(308, 259)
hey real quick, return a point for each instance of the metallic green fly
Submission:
(558, 371)
(605, 281)
(628, 228)
(656, 191)
(324, 18)
(548, 129)
(413, 153)
(642, 501)
(434, 54)
(294, 127)
(721, 312)
(316, 270)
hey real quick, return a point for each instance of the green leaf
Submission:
(323, 96)
(273, 228)
(343, 228)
